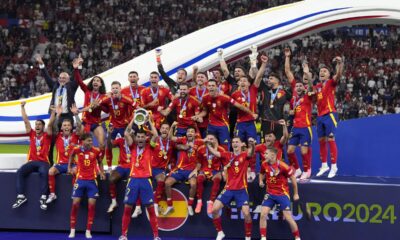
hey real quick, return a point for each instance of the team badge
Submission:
(86, 156)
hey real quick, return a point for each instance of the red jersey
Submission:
(124, 159)
(162, 153)
(248, 100)
(276, 177)
(217, 108)
(224, 87)
(187, 159)
(90, 96)
(199, 93)
(302, 107)
(39, 147)
(141, 161)
(185, 110)
(161, 94)
(86, 161)
(134, 94)
(119, 110)
(326, 97)
(262, 148)
(65, 146)
(208, 161)
(236, 178)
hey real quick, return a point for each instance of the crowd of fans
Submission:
(110, 32)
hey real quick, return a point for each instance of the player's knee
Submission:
(290, 150)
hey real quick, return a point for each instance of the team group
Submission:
(186, 138)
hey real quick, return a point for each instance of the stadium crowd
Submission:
(59, 30)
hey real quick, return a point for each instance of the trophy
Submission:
(140, 116)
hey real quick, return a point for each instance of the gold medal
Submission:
(38, 148)
(165, 157)
(180, 116)
(66, 154)
(271, 106)
(90, 110)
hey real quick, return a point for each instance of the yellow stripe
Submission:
(309, 129)
(180, 209)
(307, 121)
(18, 102)
(333, 119)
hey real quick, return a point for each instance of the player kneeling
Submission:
(277, 173)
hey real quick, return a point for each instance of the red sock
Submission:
(109, 156)
(190, 202)
(247, 228)
(102, 153)
(306, 161)
(323, 152)
(215, 188)
(296, 234)
(333, 148)
(169, 202)
(159, 191)
(91, 212)
(52, 183)
(153, 220)
(113, 191)
(293, 160)
(217, 224)
(126, 219)
(138, 202)
(263, 232)
(74, 212)
(200, 186)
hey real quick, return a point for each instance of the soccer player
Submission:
(185, 169)
(327, 116)
(235, 169)
(208, 168)
(87, 158)
(217, 105)
(119, 107)
(66, 140)
(154, 98)
(38, 158)
(276, 173)
(122, 170)
(199, 91)
(134, 90)
(186, 107)
(301, 132)
(270, 140)
(139, 185)
(181, 75)
(94, 92)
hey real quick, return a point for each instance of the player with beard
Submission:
(88, 160)
(199, 91)
(155, 97)
(38, 158)
(139, 185)
(185, 169)
(134, 90)
(235, 169)
(276, 173)
(66, 140)
(327, 116)
(217, 106)
(181, 75)
(186, 107)
(208, 168)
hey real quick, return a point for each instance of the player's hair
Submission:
(155, 72)
(300, 81)
(67, 120)
(116, 83)
(241, 67)
(41, 120)
(85, 136)
(191, 127)
(165, 122)
(214, 135)
(133, 72)
(219, 70)
(182, 69)
(237, 138)
(275, 75)
(184, 84)
(140, 131)
(102, 89)
(203, 73)
(324, 66)
(246, 77)
(213, 80)
(272, 149)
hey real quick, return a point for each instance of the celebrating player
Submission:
(199, 91)
(327, 116)
(235, 189)
(208, 168)
(38, 158)
(139, 185)
(277, 172)
(134, 90)
(87, 158)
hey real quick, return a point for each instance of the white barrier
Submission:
(265, 29)
(12, 161)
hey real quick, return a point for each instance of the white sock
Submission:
(333, 165)
(20, 196)
(43, 197)
(324, 165)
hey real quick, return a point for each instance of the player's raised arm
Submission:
(307, 72)
(261, 71)
(154, 133)
(171, 135)
(127, 133)
(285, 135)
(50, 125)
(28, 127)
(288, 71)
(79, 127)
(339, 68)
(101, 168)
(251, 147)
(222, 63)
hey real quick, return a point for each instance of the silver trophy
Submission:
(140, 116)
